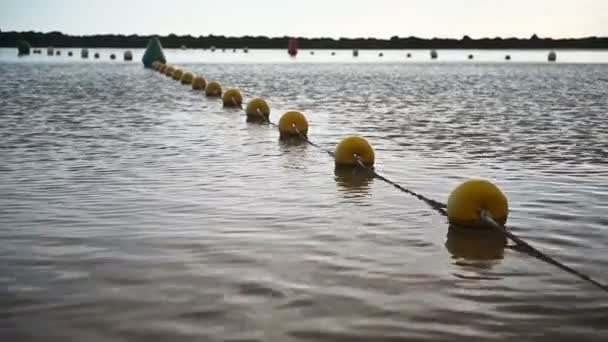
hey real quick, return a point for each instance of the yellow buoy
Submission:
(232, 98)
(352, 147)
(472, 196)
(161, 68)
(187, 78)
(169, 71)
(213, 89)
(291, 123)
(199, 83)
(257, 110)
(177, 74)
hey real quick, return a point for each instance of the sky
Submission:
(312, 18)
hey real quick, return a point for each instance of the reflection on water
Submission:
(475, 244)
(133, 208)
(352, 179)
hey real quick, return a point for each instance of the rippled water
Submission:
(132, 208)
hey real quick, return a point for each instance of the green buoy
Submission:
(154, 52)
(23, 47)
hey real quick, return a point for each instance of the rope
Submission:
(303, 136)
(438, 206)
(234, 102)
(265, 118)
(485, 215)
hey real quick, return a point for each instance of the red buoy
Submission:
(292, 48)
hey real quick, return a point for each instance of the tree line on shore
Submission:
(58, 39)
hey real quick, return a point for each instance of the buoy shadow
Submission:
(476, 247)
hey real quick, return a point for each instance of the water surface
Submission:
(134, 209)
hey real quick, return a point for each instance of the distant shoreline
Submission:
(58, 39)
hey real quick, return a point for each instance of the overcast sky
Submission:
(312, 18)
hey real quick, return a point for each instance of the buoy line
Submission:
(362, 156)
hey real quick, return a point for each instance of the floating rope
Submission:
(485, 216)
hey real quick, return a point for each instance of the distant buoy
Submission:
(213, 89)
(409, 55)
(433, 54)
(112, 56)
(257, 110)
(177, 74)
(233, 50)
(50, 51)
(552, 57)
(70, 54)
(128, 56)
(470, 57)
(473, 195)
(187, 78)
(23, 48)
(154, 52)
(232, 98)
(355, 53)
(508, 57)
(58, 53)
(292, 48)
(183, 47)
(246, 50)
(333, 53)
(223, 49)
(199, 83)
(291, 123)
(212, 49)
(96, 55)
(84, 53)
(352, 147)
(380, 54)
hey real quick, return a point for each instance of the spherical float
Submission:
(155, 65)
(84, 53)
(112, 56)
(187, 78)
(161, 68)
(199, 83)
(213, 89)
(552, 57)
(434, 54)
(470, 56)
(352, 147)
(169, 71)
(257, 110)
(128, 56)
(96, 55)
(232, 98)
(472, 196)
(177, 74)
(508, 57)
(291, 123)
